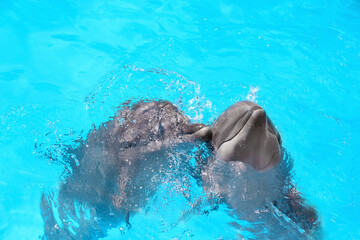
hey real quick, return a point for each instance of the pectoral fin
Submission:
(204, 134)
(198, 131)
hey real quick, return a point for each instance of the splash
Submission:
(152, 84)
(252, 95)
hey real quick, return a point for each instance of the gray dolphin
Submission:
(118, 168)
(243, 135)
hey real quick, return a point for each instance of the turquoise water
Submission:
(66, 65)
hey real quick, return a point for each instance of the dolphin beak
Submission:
(258, 116)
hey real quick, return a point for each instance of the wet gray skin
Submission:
(245, 133)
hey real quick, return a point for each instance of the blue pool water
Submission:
(65, 65)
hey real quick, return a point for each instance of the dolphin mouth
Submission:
(242, 122)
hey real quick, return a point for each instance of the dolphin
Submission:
(117, 168)
(248, 168)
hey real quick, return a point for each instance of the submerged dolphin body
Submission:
(120, 165)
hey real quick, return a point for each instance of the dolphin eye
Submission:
(271, 129)
(276, 133)
(278, 138)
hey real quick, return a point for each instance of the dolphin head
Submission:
(245, 133)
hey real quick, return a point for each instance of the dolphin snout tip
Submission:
(258, 115)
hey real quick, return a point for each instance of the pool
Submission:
(66, 66)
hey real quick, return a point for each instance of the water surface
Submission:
(62, 70)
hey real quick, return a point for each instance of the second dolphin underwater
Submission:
(118, 162)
